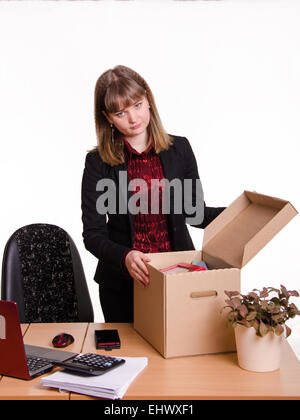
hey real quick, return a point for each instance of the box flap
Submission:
(245, 227)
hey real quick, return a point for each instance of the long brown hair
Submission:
(117, 87)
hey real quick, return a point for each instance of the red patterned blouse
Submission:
(151, 232)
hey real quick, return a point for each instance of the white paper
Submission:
(112, 384)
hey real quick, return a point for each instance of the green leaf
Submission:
(284, 291)
(231, 293)
(253, 296)
(294, 309)
(264, 293)
(279, 329)
(279, 319)
(274, 309)
(232, 316)
(288, 331)
(243, 310)
(251, 316)
(276, 301)
(229, 303)
(236, 302)
(263, 329)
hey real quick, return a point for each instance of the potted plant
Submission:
(259, 322)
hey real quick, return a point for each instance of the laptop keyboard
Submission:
(36, 363)
(89, 363)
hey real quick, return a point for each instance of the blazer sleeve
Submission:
(95, 232)
(206, 214)
(210, 213)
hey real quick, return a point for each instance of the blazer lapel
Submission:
(169, 166)
(122, 180)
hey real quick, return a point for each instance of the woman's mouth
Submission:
(135, 127)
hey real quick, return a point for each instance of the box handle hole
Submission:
(203, 293)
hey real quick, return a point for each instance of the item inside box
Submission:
(210, 263)
(174, 270)
(183, 267)
(165, 261)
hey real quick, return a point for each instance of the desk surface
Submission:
(197, 377)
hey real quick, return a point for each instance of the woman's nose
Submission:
(131, 117)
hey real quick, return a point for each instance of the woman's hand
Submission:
(135, 264)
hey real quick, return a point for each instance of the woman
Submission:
(125, 213)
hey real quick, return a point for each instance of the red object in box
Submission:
(187, 266)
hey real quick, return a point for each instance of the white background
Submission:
(225, 74)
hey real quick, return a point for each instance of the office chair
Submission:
(42, 272)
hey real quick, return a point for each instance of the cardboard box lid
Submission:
(245, 227)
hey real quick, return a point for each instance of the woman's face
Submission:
(132, 120)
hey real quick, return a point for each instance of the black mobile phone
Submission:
(107, 339)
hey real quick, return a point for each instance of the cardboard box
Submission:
(180, 314)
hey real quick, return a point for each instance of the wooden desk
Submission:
(197, 377)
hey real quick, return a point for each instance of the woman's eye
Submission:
(120, 114)
(138, 105)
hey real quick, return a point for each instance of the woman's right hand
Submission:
(135, 264)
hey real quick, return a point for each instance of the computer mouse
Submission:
(62, 340)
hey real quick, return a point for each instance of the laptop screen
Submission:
(13, 358)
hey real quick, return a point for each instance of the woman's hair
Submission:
(116, 88)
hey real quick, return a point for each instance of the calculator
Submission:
(90, 363)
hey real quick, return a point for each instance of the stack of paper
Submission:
(112, 384)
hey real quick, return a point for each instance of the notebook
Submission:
(112, 385)
(19, 360)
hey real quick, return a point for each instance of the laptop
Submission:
(27, 362)
(19, 360)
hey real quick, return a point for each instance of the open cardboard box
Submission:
(180, 314)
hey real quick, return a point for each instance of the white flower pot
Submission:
(258, 354)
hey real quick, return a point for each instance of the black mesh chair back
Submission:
(42, 272)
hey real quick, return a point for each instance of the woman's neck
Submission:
(139, 142)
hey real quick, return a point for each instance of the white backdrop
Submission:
(225, 74)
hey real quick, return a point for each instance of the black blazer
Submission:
(109, 237)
